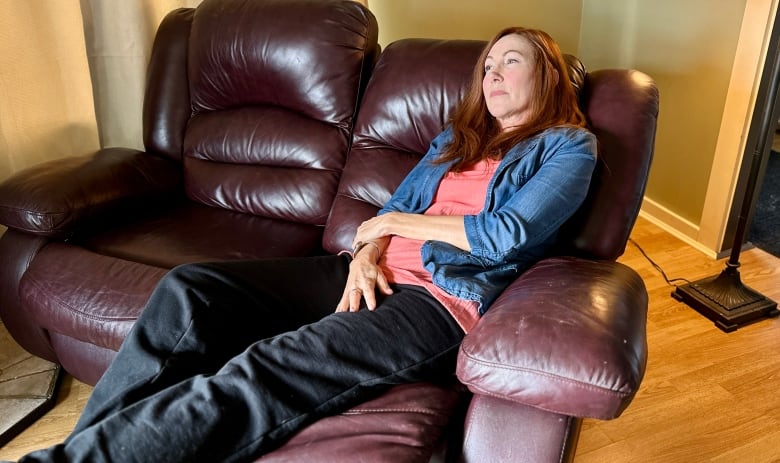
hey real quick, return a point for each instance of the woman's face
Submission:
(508, 83)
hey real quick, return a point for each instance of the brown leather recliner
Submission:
(567, 339)
(253, 150)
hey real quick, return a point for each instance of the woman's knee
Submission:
(197, 275)
(181, 288)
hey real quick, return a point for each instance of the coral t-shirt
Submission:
(459, 193)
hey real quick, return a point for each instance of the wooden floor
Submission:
(707, 396)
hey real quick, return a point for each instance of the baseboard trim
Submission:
(676, 226)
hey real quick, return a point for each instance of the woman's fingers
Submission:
(362, 284)
(383, 285)
(364, 288)
(371, 229)
(350, 300)
(355, 295)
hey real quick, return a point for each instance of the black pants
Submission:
(230, 359)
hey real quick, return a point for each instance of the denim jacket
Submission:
(537, 186)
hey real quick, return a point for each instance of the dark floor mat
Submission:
(765, 229)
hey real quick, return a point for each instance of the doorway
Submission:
(754, 211)
(765, 227)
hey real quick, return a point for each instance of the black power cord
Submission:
(658, 267)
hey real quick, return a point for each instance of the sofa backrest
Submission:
(622, 110)
(417, 82)
(257, 98)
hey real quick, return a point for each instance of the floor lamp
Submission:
(723, 298)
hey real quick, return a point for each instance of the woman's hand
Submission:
(373, 229)
(446, 228)
(364, 279)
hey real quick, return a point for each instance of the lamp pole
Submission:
(723, 298)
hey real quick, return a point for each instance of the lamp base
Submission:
(725, 300)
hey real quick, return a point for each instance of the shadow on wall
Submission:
(24, 150)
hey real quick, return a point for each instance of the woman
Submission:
(208, 375)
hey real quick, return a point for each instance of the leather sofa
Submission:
(273, 128)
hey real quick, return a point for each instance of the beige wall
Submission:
(688, 47)
(476, 19)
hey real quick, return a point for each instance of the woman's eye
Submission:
(512, 60)
(488, 67)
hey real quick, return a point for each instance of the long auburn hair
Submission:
(477, 134)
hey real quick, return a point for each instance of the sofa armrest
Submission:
(568, 336)
(56, 198)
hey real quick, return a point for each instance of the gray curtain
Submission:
(119, 36)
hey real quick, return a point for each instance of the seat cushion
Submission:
(192, 232)
(95, 293)
(86, 296)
